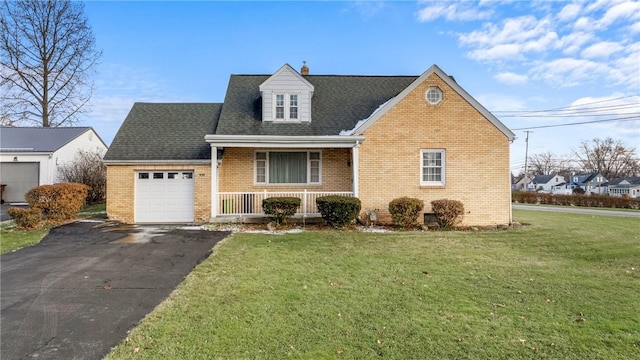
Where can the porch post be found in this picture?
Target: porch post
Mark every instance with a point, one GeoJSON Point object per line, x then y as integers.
{"type": "Point", "coordinates": [214, 181]}
{"type": "Point", "coordinates": [355, 154]}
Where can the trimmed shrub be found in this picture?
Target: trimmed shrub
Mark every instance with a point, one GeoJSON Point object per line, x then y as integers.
{"type": "Point", "coordinates": [575, 200]}
{"type": "Point", "coordinates": [25, 218]}
{"type": "Point", "coordinates": [280, 208]}
{"type": "Point", "coordinates": [338, 211]}
{"type": "Point", "coordinates": [405, 211]}
{"type": "Point", "coordinates": [60, 201]}
{"type": "Point", "coordinates": [448, 212]}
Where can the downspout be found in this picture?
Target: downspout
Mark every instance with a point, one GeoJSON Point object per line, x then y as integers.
{"type": "Point", "coordinates": [355, 152]}
{"type": "Point", "coordinates": [50, 172]}
{"type": "Point", "coordinates": [214, 182]}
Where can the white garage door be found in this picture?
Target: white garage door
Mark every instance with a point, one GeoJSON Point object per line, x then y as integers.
{"type": "Point", "coordinates": [19, 178]}
{"type": "Point", "coordinates": [164, 197]}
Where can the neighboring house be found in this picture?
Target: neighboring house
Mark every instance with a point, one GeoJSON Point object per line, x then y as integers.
{"type": "Point", "coordinates": [591, 183]}
{"type": "Point", "coordinates": [30, 156]}
{"type": "Point", "coordinates": [624, 186]}
{"type": "Point", "coordinates": [517, 182]}
{"type": "Point", "coordinates": [546, 183]}
{"type": "Point", "coordinates": [293, 134]}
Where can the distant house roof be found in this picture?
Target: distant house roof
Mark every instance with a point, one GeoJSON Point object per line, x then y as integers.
{"type": "Point", "coordinates": [582, 179]}
{"type": "Point", "coordinates": [625, 181]}
{"type": "Point", "coordinates": [165, 131]}
{"type": "Point", "coordinates": [38, 139]}
{"type": "Point", "coordinates": [542, 179]}
{"type": "Point", "coordinates": [338, 103]}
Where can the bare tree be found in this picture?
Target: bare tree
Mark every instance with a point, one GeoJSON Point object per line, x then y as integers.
{"type": "Point", "coordinates": [47, 54]}
{"type": "Point", "coordinates": [87, 168]}
{"type": "Point", "coordinates": [543, 164]}
{"type": "Point", "coordinates": [609, 157]}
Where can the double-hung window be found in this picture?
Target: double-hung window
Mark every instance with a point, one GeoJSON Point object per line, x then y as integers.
{"type": "Point", "coordinates": [286, 107]}
{"type": "Point", "coordinates": [288, 167]}
{"type": "Point", "coordinates": [432, 167]}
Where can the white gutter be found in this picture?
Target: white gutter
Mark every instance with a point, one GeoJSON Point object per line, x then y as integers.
{"type": "Point", "coordinates": [274, 141]}
{"type": "Point", "coordinates": [159, 162]}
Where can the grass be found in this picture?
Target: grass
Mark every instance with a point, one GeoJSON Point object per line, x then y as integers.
{"type": "Point", "coordinates": [12, 239]}
{"type": "Point", "coordinates": [565, 286]}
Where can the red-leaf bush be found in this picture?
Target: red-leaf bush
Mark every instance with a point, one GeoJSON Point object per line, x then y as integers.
{"type": "Point", "coordinates": [60, 201]}
{"type": "Point", "coordinates": [448, 212]}
{"type": "Point", "coordinates": [30, 218]}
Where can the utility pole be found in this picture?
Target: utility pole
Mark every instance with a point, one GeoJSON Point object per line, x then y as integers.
{"type": "Point", "coordinates": [526, 161]}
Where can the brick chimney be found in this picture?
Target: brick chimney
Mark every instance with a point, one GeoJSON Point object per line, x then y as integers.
{"type": "Point", "coordinates": [305, 69]}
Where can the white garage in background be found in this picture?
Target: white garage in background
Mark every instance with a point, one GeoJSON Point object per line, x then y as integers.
{"type": "Point", "coordinates": [30, 156]}
{"type": "Point", "coordinates": [164, 196]}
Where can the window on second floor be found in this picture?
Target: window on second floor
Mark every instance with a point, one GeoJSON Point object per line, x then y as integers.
{"type": "Point", "coordinates": [286, 107]}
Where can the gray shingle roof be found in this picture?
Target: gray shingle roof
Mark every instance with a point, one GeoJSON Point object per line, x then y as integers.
{"type": "Point", "coordinates": [338, 103]}
{"type": "Point", "coordinates": [37, 139]}
{"type": "Point", "coordinates": [165, 131]}
{"type": "Point", "coordinates": [543, 179]}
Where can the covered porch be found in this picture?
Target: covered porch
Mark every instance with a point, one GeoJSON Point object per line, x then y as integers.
{"type": "Point", "coordinates": [246, 169]}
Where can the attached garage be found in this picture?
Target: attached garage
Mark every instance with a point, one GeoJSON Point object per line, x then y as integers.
{"type": "Point", "coordinates": [20, 177]}
{"type": "Point", "coordinates": [164, 196]}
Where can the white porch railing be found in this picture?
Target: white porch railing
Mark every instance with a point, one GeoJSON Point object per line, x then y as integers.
{"type": "Point", "coordinates": [250, 203]}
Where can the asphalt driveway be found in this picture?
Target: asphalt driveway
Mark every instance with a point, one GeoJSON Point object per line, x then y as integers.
{"type": "Point", "coordinates": [77, 293]}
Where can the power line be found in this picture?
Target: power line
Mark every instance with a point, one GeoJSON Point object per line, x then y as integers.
{"type": "Point", "coordinates": [569, 112]}
{"type": "Point", "coordinates": [565, 108]}
{"type": "Point", "coordinates": [573, 115]}
{"type": "Point", "coordinates": [630, 118]}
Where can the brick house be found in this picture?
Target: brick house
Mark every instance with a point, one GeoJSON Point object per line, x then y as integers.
{"type": "Point", "coordinates": [295, 134]}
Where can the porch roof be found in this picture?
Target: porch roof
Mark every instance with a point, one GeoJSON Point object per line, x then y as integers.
{"type": "Point", "coordinates": [274, 141]}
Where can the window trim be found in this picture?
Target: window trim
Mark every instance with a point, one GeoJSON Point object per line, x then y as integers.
{"type": "Point", "coordinates": [434, 88]}
{"type": "Point", "coordinates": [266, 168]}
{"type": "Point", "coordinates": [287, 106]}
{"type": "Point", "coordinates": [443, 167]}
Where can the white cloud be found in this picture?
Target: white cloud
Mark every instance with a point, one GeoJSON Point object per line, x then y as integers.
{"type": "Point", "coordinates": [603, 49]}
{"type": "Point", "coordinates": [511, 39]}
{"type": "Point", "coordinates": [366, 9]}
{"type": "Point", "coordinates": [452, 11]}
{"type": "Point", "coordinates": [568, 72]}
{"type": "Point", "coordinates": [511, 78]}
{"type": "Point", "coordinates": [569, 12]}
{"type": "Point", "coordinates": [573, 42]}
{"type": "Point", "coordinates": [564, 44]}
{"type": "Point", "coordinates": [620, 11]}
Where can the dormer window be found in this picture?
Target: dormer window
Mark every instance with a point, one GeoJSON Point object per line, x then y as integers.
{"type": "Point", "coordinates": [286, 107]}
{"type": "Point", "coordinates": [280, 106]}
{"type": "Point", "coordinates": [293, 107]}
{"type": "Point", "coordinates": [286, 97]}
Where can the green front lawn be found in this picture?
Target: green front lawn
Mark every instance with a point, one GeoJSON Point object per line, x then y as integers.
{"type": "Point", "coordinates": [13, 239]}
{"type": "Point", "coordinates": [563, 287]}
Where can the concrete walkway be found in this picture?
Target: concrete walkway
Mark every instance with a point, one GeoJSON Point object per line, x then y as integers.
{"type": "Point", "coordinates": [77, 293]}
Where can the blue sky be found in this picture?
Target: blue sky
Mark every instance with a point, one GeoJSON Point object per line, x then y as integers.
{"type": "Point", "coordinates": [579, 59]}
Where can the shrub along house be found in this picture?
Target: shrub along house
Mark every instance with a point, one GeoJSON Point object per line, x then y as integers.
{"type": "Point", "coordinates": [295, 134]}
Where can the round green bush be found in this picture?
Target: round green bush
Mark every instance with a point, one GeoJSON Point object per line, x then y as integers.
{"type": "Point", "coordinates": [338, 211]}
{"type": "Point", "coordinates": [405, 211]}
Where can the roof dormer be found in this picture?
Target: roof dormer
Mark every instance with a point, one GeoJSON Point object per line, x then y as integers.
{"type": "Point", "coordinates": [286, 97]}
